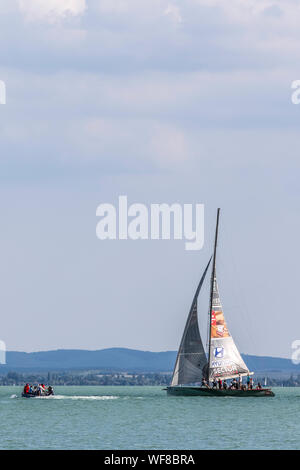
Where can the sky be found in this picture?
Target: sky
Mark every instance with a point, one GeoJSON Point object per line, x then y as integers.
{"type": "Point", "coordinates": [164, 101]}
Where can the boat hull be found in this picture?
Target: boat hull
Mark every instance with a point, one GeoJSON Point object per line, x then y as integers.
{"type": "Point", "coordinates": [32, 395]}
{"type": "Point", "coordinates": [213, 392]}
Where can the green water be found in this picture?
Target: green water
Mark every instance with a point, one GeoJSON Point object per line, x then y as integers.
{"type": "Point", "coordinates": [146, 418]}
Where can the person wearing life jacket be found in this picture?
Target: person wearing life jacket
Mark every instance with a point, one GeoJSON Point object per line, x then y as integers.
{"type": "Point", "coordinates": [26, 388]}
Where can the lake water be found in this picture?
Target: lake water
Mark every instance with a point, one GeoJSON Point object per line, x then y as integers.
{"type": "Point", "coordinates": [146, 418]}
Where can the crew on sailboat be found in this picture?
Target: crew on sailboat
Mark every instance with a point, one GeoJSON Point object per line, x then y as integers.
{"type": "Point", "coordinates": [236, 384]}
{"type": "Point", "coordinates": [248, 382]}
{"type": "Point", "coordinates": [240, 381]}
{"type": "Point", "coordinates": [204, 382]}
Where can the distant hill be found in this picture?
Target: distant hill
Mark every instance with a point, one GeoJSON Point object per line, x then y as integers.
{"type": "Point", "coordinates": [120, 359]}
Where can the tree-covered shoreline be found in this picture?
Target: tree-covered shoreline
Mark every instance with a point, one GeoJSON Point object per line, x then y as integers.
{"type": "Point", "coordinates": [120, 379]}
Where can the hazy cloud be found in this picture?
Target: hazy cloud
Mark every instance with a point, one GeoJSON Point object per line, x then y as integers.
{"type": "Point", "coordinates": [51, 10]}
{"type": "Point", "coordinates": [173, 12]}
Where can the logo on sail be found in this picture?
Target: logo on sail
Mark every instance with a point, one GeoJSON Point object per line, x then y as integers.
{"type": "Point", "coordinates": [219, 353]}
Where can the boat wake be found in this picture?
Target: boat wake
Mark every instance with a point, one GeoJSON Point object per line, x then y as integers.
{"type": "Point", "coordinates": [80, 397]}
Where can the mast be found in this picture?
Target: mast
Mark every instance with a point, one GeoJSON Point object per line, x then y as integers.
{"type": "Point", "coordinates": [213, 274]}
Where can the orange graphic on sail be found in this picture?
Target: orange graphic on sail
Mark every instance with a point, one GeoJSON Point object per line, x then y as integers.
{"type": "Point", "coordinates": [218, 325]}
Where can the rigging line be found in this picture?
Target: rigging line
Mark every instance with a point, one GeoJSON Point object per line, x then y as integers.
{"type": "Point", "coordinates": [238, 293]}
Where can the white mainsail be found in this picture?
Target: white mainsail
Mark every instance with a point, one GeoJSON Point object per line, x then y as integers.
{"type": "Point", "coordinates": [225, 360]}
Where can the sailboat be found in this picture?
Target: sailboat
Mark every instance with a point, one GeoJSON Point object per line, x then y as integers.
{"type": "Point", "coordinates": [222, 361]}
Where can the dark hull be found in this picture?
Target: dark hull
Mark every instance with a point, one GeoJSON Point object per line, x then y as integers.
{"type": "Point", "coordinates": [32, 395]}
{"type": "Point", "coordinates": [212, 392]}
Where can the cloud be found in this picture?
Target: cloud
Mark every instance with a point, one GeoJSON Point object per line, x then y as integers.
{"type": "Point", "coordinates": [255, 11]}
{"type": "Point", "coordinates": [173, 12]}
{"type": "Point", "coordinates": [129, 36]}
{"type": "Point", "coordinates": [51, 10]}
{"type": "Point", "coordinates": [127, 88]}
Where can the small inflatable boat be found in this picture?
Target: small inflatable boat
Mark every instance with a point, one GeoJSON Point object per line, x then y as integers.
{"type": "Point", "coordinates": [37, 391]}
